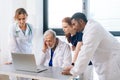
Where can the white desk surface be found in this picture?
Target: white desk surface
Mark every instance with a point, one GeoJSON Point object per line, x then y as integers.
{"type": "Point", "coordinates": [53, 73]}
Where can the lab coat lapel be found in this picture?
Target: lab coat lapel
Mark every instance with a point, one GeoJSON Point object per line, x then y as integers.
{"type": "Point", "coordinates": [58, 46]}
{"type": "Point", "coordinates": [18, 30]}
{"type": "Point", "coordinates": [27, 30]}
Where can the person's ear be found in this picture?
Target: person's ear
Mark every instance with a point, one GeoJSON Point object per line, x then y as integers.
{"type": "Point", "coordinates": [81, 21]}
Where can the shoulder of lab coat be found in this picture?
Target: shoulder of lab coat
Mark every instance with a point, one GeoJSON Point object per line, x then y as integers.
{"type": "Point", "coordinates": [67, 60]}
{"type": "Point", "coordinates": [13, 43]}
{"type": "Point", "coordinates": [91, 39]}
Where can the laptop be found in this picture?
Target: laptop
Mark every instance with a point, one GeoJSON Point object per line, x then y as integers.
{"type": "Point", "coordinates": [26, 62]}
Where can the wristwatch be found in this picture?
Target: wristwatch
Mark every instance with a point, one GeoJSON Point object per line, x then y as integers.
{"type": "Point", "coordinates": [73, 64]}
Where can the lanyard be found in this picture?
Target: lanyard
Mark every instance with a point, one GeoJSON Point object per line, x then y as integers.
{"type": "Point", "coordinates": [30, 30]}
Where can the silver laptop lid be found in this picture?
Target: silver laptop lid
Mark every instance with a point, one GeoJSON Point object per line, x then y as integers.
{"type": "Point", "coordinates": [25, 62]}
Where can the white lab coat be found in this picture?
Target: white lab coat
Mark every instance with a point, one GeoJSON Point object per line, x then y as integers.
{"type": "Point", "coordinates": [61, 57]}
{"type": "Point", "coordinates": [102, 49]}
{"type": "Point", "coordinates": [21, 43]}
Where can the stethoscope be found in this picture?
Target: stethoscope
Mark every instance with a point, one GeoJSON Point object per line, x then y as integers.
{"type": "Point", "coordinates": [30, 30]}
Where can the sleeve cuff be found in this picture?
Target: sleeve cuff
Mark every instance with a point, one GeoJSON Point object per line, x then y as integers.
{"type": "Point", "coordinates": [73, 71]}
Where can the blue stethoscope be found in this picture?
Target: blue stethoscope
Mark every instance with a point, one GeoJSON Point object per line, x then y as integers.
{"type": "Point", "coordinates": [30, 30]}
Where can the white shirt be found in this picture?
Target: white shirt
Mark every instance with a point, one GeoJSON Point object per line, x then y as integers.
{"type": "Point", "coordinates": [20, 42]}
{"type": "Point", "coordinates": [102, 49]}
{"type": "Point", "coordinates": [61, 57]}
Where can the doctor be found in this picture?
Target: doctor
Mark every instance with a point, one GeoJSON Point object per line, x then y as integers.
{"type": "Point", "coordinates": [75, 38]}
{"type": "Point", "coordinates": [99, 46]}
{"type": "Point", "coordinates": [55, 52]}
{"type": "Point", "coordinates": [21, 34]}
{"type": "Point", "coordinates": [72, 37]}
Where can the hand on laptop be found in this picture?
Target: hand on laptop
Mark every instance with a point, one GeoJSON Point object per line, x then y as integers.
{"type": "Point", "coordinates": [66, 70]}
{"type": "Point", "coordinates": [7, 63]}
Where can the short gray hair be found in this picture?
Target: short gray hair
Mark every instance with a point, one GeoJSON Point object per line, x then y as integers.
{"type": "Point", "coordinates": [50, 32]}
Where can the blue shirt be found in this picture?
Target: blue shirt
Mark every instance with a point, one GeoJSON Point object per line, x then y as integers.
{"type": "Point", "coordinates": [76, 38]}
{"type": "Point", "coordinates": [50, 62]}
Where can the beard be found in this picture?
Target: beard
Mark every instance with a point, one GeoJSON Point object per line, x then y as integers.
{"type": "Point", "coordinates": [51, 46]}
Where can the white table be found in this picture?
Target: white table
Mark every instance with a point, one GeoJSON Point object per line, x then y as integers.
{"type": "Point", "coordinates": [52, 73]}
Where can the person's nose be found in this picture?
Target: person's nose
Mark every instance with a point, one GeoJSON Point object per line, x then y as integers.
{"type": "Point", "coordinates": [21, 21]}
{"type": "Point", "coordinates": [48, 43]}
{"type": "Point", "coordinates": [74, 27]}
